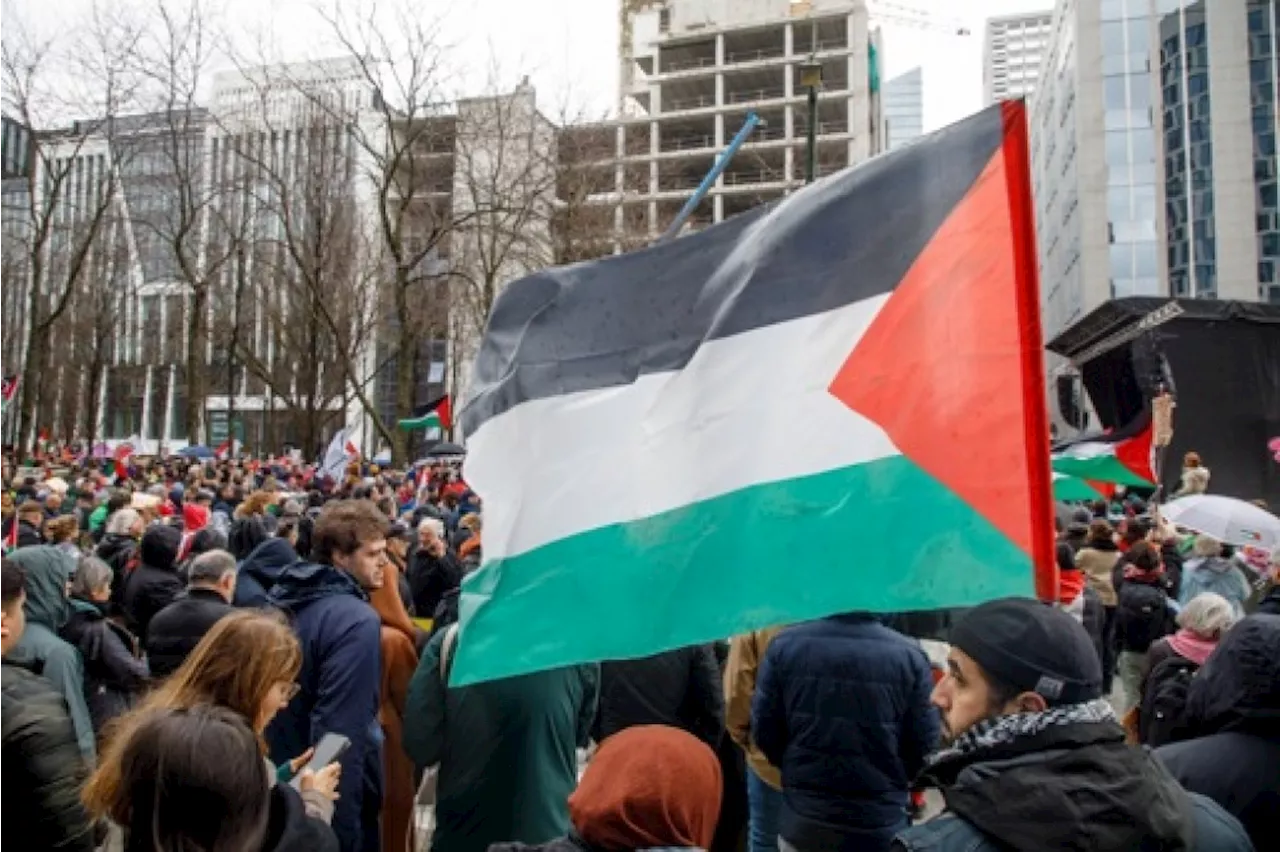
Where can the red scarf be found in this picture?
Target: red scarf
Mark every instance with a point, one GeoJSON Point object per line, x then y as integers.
{"type": "Point", "coordinates": [1070, 585]}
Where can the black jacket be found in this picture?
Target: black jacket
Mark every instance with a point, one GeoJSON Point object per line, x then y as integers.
{"type": "Point", "coordinates": [42, 767]}
{"type": "Point", "coordinates": [680, 688]}
{"type": "Point", "coordinates": [29, 535]}
{"type": "Point", "coordinates": [430, 579]}
{"type": "Point", "coordinates": [1270, 604]}
{"type": "Point", "coordinates": [154, 583]}
{"type": "Point", "coordinates": [113, 674]}
{"type": "Point", "coordinates": [289, 829]}
{"type": "Point", "coordinates": [1069, 786]}
{"type": "Point", "coordinates": [117, 551]}
{"type": "Point", "coordinates": [1233, 710]}
{"type": "Point", "coordinates": [179, 627]}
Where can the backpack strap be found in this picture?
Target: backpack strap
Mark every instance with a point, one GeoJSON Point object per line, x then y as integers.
{"type": "Point", "coordinates": [446, 652]}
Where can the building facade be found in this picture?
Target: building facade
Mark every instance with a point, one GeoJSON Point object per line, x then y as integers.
{"type": "Point", "coordinates": [691, 72]}
{"type": "Point", "coordinates": [1153, 154]}
{"type": "Point", "coordinates": [904, 107]}
{"type": "Point", "coordinates": [275, 187]}
{"type": "Point", "coordinates": [1012, 48]}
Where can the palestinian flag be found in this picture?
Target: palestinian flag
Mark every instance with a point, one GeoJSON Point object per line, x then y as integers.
{"type": "Point", "coordinates": [436, 414]}
{"type": "Point", "coordinates": [1123, 457]}
{"type": "Point", "coordinates": [1070, 488]}
{"type": "Point", "coordinates": [8, 390]}
{"type": "Point", "coordinates": [641, 495]}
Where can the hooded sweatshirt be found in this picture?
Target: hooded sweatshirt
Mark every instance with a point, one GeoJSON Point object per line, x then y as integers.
{"type": "Point", "coordinates": [1215, 574]}
{"type": "Point", "coordinates": [40, 649]}
{"type": "Point", "coordinates": [261, 570]}
{"type": "Point", "coordinates": [154, 583]}
{"type": "Point", "coordinates": [339, 687]}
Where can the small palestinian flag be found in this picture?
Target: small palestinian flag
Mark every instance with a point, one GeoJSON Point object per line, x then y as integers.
{"type": "Point", "coordinates": [436, 414]}
{"type": "Point", "coordinates": [8, 391]}
{"type": "Point", "coordinates": [828, 404]}
{"type": "Point", "coordinates": [1122, 457]}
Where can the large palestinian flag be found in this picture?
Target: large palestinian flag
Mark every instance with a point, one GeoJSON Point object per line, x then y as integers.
{"type": "Point", "coordinates": [833, 403]}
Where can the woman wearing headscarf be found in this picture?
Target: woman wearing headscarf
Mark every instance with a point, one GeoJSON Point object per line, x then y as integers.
{"type": "Point", "coordinates": [648, 787]}
{"type": "Point", "coordinates": [399, 661]}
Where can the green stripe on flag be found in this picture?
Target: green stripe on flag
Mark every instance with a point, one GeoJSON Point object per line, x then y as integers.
{"type": "Point", "coordinates": [430, 420]}
{"type": "Point", "coordinates": [1071, 488]}
{"type": "Point", "coordinates": [882, 536]}
{"type": "Point", "coordinates": [1103, 468]}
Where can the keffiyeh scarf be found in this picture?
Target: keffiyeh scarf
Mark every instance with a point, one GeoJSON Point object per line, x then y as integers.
{"type": "Point", "coordinates": [1002, 730]}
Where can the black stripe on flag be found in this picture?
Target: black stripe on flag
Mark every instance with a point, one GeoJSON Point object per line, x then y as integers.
{"type": "Point", "coordinates": [847, 238]}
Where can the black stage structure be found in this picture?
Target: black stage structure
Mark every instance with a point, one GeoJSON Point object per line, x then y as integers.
{"type": "Point", "coordinates": [1221, 359]}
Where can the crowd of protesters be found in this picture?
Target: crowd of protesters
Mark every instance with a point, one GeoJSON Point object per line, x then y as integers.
{"type": "Point", "coordinates": [179, 637]}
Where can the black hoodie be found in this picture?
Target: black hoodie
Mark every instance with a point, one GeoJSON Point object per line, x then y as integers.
{"type": "Point", "coordinates": [1233, 706]}
{"type": "Point", "coordinates": [154, 583]}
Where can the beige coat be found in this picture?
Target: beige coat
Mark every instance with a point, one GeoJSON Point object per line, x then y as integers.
{"type": "Point", "coordinates": [746, 653]}
{"type": "Point", "coordinates": [1097, 565]}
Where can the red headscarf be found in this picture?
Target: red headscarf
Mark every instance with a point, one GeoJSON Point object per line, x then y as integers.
{"type": "Point", "coordinates": [646, 787]}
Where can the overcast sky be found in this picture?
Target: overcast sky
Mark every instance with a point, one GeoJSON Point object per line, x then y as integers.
{"type": "Point", "coordinates": [569, 47]}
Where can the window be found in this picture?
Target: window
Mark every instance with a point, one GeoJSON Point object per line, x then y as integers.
{"type": "Point", "coordinates": [1112, 38]}
{"type": "Point", "coordinates": [1113, 89]}
{"type": "Point", "coordinates": [1117, 147]}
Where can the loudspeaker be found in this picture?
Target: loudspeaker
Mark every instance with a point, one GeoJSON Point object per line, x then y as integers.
{"type": "Point", "coordinates": [1071, 402]}
{"type": "Point", "coordinates": [1151, 367]}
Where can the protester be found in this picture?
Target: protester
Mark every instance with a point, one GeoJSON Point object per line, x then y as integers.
{"type": "Point", "coordinates": [1208, 571]}
{"type": "Point", "coordinates": [1076, 532]}
{"type": "Point", "coordinates": [167, 791]}
{"type": "Point", "coordinates": [153, 583]}
{"type": "Point", "coordinates": [340, 633]}
{"type": "Point", "coordinates": [177, 629]}
{"type": "Point", "coordinates": [1078, 599]}
{"type": "Point", "coordinates": [40, 760]}
{"type": "Point", "coordinates": [1195, 476]}
{"type": "Point", "coordinates": [1097, 559]}
{"type": "Point", "coordinates": [202, 542]}
{"type": "Point", "coordinates": [681, 688]}
{"type": "Point", "coordinates": [764, 780]}
{"type": "Point", "coordinates": [842, 708]}
{"type": "Point", "coordinates": [1144, 614]}
{"type": "Point", "coordinates": [41, 649]}
{"type": "Point", "coordinates": [245, 534]}
{"type": "Point", "coordinates": [1173, 661]}
{"type": "Point", "coordinates": [1031, 742]}
{"type": "Point", "coordinates": [119, 547]}
{"type": "Point", "coordinates": [114, 673]}
{"type": "Point", "coordinates": [1233, 715]}
{"type": "Point", "coordinates": [648, 787]}
{"type": "Point", "coordinates": [63, 533]}
{"type": "Point", "coordinates": [399, 661]}
{"type": "Point", "coordinates": [261, 570]}
{"type": "Point", "coordinates": [433, 570]}
{"type": "Point", "coordinates": [506, 749]}
{"type": "Point", "coordinates": [30, 520]}
{"type": "Point", "coordinates": [246, 663]}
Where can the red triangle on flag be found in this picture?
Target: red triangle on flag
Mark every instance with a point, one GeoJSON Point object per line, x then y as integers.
{"type": "Point", "coordinates": [951, 368]}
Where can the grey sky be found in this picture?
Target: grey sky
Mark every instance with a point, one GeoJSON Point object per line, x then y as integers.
{"type": "Point", "coordinates": [569, 47]}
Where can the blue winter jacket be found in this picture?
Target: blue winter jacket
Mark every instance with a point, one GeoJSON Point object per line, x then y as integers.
{"type": "Point", "coordinates": [261, 570]}
{"type": "Point", "coordinates": [842, 707]}
{"type": "Point", "coordinates": [339, 685]}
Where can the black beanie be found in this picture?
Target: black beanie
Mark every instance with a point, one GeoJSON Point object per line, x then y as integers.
{"type": "Point", "coordinates": [159, 546]}
{"type": "Point", "coordinates": [1032, 647]}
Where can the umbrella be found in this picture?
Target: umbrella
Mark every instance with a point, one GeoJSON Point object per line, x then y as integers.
{"type": "Point", "coordinates": [1226, 519]}
{"type": "Point", "coordinates": [446, 448]}
{"type": "Point", "coordinates": [196, 451]}
{"type": "Point", "coordinates": [1073, 488]}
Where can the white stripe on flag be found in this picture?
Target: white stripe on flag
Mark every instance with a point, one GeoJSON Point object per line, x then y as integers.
{"type": "Point", "coordinates": [746, 410]}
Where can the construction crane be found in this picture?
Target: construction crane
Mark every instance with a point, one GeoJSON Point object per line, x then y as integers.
{"type": "Point", "coordinates": [897, 14]}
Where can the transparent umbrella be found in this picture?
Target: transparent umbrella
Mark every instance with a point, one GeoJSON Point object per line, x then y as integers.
{"type": "Point", "coordinates": [1226, 519]}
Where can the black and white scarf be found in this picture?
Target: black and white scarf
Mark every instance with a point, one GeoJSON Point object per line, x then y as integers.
{"type": "Point", "coordinates": [1002, 730]}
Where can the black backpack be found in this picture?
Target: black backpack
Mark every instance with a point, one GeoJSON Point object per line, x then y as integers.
{"type": "Point", "coordinates": [1142, 616]}
{"type": "Point", "coordinates": [1163, 717]}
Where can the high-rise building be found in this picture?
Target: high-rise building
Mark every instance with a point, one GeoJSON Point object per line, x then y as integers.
{"type": "Point", "coordinates": [1153, 154]}
{"type": "Point", "coordinates": [691, 71]}
{"type": "Point", "coordinates": [904, 107]}
{"type": "Point", "coordinates": [1011, 51]}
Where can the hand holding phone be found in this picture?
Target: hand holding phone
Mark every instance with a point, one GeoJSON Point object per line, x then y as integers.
{"type": "Point", "coordinates": [323, 763]}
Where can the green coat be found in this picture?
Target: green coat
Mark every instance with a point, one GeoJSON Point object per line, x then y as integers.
{"type": "Point", "coordinates": [507, 750]}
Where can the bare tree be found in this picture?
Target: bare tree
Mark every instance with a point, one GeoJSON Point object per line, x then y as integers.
{"type": "Point", "coordinates": [173, 58]}
{"type": "Point", "coordinates": [75, 171]}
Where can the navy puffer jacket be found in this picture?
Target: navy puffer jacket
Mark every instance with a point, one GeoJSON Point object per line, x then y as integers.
{"type": "Point", "coordinates": [842, 707]}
